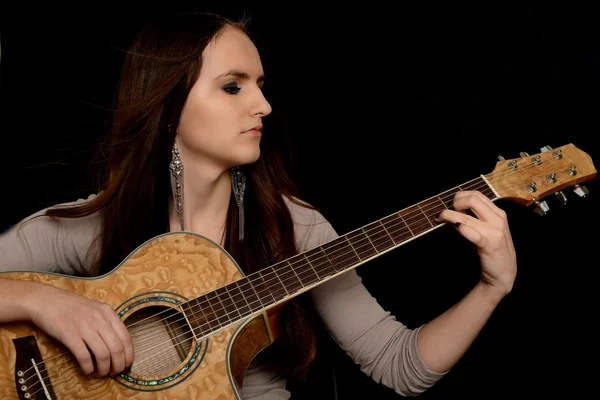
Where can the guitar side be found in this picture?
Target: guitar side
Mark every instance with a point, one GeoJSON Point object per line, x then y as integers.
{"type": "Point", "coordinates": [145, 289]}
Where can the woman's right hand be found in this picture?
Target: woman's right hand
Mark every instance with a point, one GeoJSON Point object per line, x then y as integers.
{"type": "Point", "coordinates": [91, 330]}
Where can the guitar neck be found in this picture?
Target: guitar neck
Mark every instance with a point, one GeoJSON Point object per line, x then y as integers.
{"type": "Point", "coordinates": [280, 282]}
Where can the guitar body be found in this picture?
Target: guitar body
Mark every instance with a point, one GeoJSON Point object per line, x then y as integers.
{"type": "Point", "coordinates": [145, 289]}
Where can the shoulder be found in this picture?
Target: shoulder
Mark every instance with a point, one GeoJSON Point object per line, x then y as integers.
{"type": "Point", "coordinates": [87, 221]}
{"type": "Point", "coordinates": [311, 228]}
{"type": "Point", "coordinates": [46, 243]}
{"type": "Point", "coordinates": [40, 217]}
{"type": "Point", "coordinates": [78, 231]}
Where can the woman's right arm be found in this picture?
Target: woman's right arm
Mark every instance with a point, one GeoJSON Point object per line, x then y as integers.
{"type": "Point", "coordinates": [39, 243]}
{"type": "Point", "coordinates": [76, 321]}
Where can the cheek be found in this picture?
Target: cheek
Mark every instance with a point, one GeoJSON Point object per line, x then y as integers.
{"type": "Point", "coordinates": [206, 126]}
{"type": "Point", "coordinates": [209, 113]}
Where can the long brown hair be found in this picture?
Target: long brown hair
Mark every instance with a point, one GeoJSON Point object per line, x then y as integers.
{"type": "Point", "coordinates": [159, 70]}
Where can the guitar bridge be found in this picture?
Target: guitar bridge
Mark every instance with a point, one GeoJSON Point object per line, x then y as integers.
{"type": "Point", "coordinates": [31, 377]}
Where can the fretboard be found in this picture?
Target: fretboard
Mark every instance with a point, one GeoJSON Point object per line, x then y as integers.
{"type": "Point", "coordinates": [284, 280]}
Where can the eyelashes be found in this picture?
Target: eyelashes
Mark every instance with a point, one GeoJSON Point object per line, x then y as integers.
{"type": "Point", "coordinates": [231, 88]}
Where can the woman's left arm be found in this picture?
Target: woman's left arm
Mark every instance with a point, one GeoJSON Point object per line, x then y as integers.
{"type": "Point", "coordinates": [445, 339]}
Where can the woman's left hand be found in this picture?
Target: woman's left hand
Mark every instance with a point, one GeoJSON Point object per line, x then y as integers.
{"type": "Point", "coordinates": [488, 230]}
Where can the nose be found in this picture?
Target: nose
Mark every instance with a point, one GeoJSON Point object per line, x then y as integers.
{"type": "Point", "coordinates": [260, 105]}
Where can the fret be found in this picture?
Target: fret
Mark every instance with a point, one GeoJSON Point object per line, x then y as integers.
{"type": "Point", "coordinates": [370, 228]}
{"type": "Point", "coordinates": [352, 247]}
{"type": "Point", "coordinates": [205, 317]}
{"type": "Point", "coordinates": [249, 294]}
{"type": "Point", "coordinates": [239, 300]}
{"type": "Point", "coordinates": [326, 257]}
{"type": "Point", "coordinates": [448, 197]}
{"type": "Point", "coordinates": [272, 283]}
{"type": "Point", "coordinates": [415, 219]}
{"type": "Point", "coordinates": [191, 316]}
{"type": "Point", "coordinates": [427, 217]}
{"type": "Point", "coordinates": [361, 244]}
{"type": "Point", "coordinates": [444, 204]}
{"type": "Point", "coordinates": [311, 266]}
{"type": "Point", "coordinates": [289, 278]}
{"type": "Point", "coordinates": [320, 262]}
{"type": "Point", "coordinates": [221, 294]}
{"type": "Point", "coordinates": [304, 270]}
{"type": "Point", "coordinates": [228, 305]}
{"type": "Point", "coordinates": [280, 281]}
{"type": "Point", "coordinates": [261, 288]}
{"type": "Point", "coordinates": [431, 207]}
{"type": "Point", "coordinates": [384, 242]}
{"type": "Point", "coordinates": [217, 308]}
{"type": "Point", "coordinates": [397, 228]}
{"type": "Point", "coordinates": [341, 253]}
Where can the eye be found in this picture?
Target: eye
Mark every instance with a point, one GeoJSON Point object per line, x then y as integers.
{"type": "Point", "coordinates": [231, 88]}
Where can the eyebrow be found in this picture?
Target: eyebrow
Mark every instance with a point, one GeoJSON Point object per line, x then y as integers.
{"type": "Point", "coordinates": [239, 74]}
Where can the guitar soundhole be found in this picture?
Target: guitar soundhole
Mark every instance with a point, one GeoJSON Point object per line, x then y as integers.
{"type": "Point", "coordinates": [162, 340]}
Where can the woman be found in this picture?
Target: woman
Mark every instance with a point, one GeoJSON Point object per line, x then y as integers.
{"type": "Point", "coordinates": [186, 153]}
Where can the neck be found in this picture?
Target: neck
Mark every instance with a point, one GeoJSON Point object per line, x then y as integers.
{"type": "Point", "coordinates": [206, 193]}
{"type": "Point", "coordinates": [280, 282]}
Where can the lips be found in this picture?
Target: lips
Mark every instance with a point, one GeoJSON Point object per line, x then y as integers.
{"type": "Point", "coordinates": [257, 128]}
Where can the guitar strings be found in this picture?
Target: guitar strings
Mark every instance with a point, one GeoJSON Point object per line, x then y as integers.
{"type": "Point", "coordinates": [498, 173]}
{"type": "Point", "coordinates": [420, 219]}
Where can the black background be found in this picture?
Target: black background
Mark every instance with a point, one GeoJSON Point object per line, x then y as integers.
{"type": "Point", "coordinates": [385, 108]}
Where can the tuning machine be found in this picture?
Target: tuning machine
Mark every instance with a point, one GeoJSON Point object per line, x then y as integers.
{"type": "Point", "coordinates": [562, 197]}
{"type": "Point", "coordinates": [581, 190]}
{"type": "Point", "coordinates": [541, 207]}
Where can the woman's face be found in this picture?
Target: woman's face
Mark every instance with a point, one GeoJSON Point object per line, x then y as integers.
{"type": "Point", "coordinates": [221, 120]}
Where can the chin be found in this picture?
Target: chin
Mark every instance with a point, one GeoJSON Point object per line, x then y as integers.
{"type": "Point", "coordinates": [252, 156]}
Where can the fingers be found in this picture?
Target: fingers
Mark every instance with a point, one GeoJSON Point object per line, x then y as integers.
{"type": "Point", "coordinates": [78, 348]}
{"type": "Point", "coordinates": [471, 234]}
{"type": "Point", "coordinates": [100, 351]}
{"type": "Point", "coordinates": [115, 348]}
{"type": "Point", "coordinates": [453, 217]}
{"type": "Point", "coordinates": [118, 341]}
{"type": "Point", "coordinates": [112, 349]}
{"type": "Point", "coordinates": [483, 205]}
{"type": "Point", "coordinates": [126, 340]}
{"type": "Point", "coordinates": [489, 224]}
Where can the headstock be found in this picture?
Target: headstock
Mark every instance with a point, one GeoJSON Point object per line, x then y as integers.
{"type": "Point", "coordinates": [530, 178]}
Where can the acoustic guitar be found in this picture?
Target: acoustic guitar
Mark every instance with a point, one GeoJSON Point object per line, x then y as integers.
{"type": "Point", "coordinates": [197, 321]}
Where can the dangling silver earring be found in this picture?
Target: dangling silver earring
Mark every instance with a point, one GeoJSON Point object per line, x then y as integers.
{"type": "Point", "coordinates": [238, 185]}
{"type": "Point", "coordinates": [176, 167]}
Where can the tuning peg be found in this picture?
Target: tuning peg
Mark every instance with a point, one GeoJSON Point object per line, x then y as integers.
{"type": "Point", "coordinates": [545, 148]}
{"type": "Point", "coordinates": [523, 154]}
{"type": "Point", "coordinates": [541, 207]}
{"type": "Point", "coordinates": [501, 158]}
{"type": "Point", "coordinates": [581, 190]}
{"type": "Point", "coordinates": [562, 197]}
